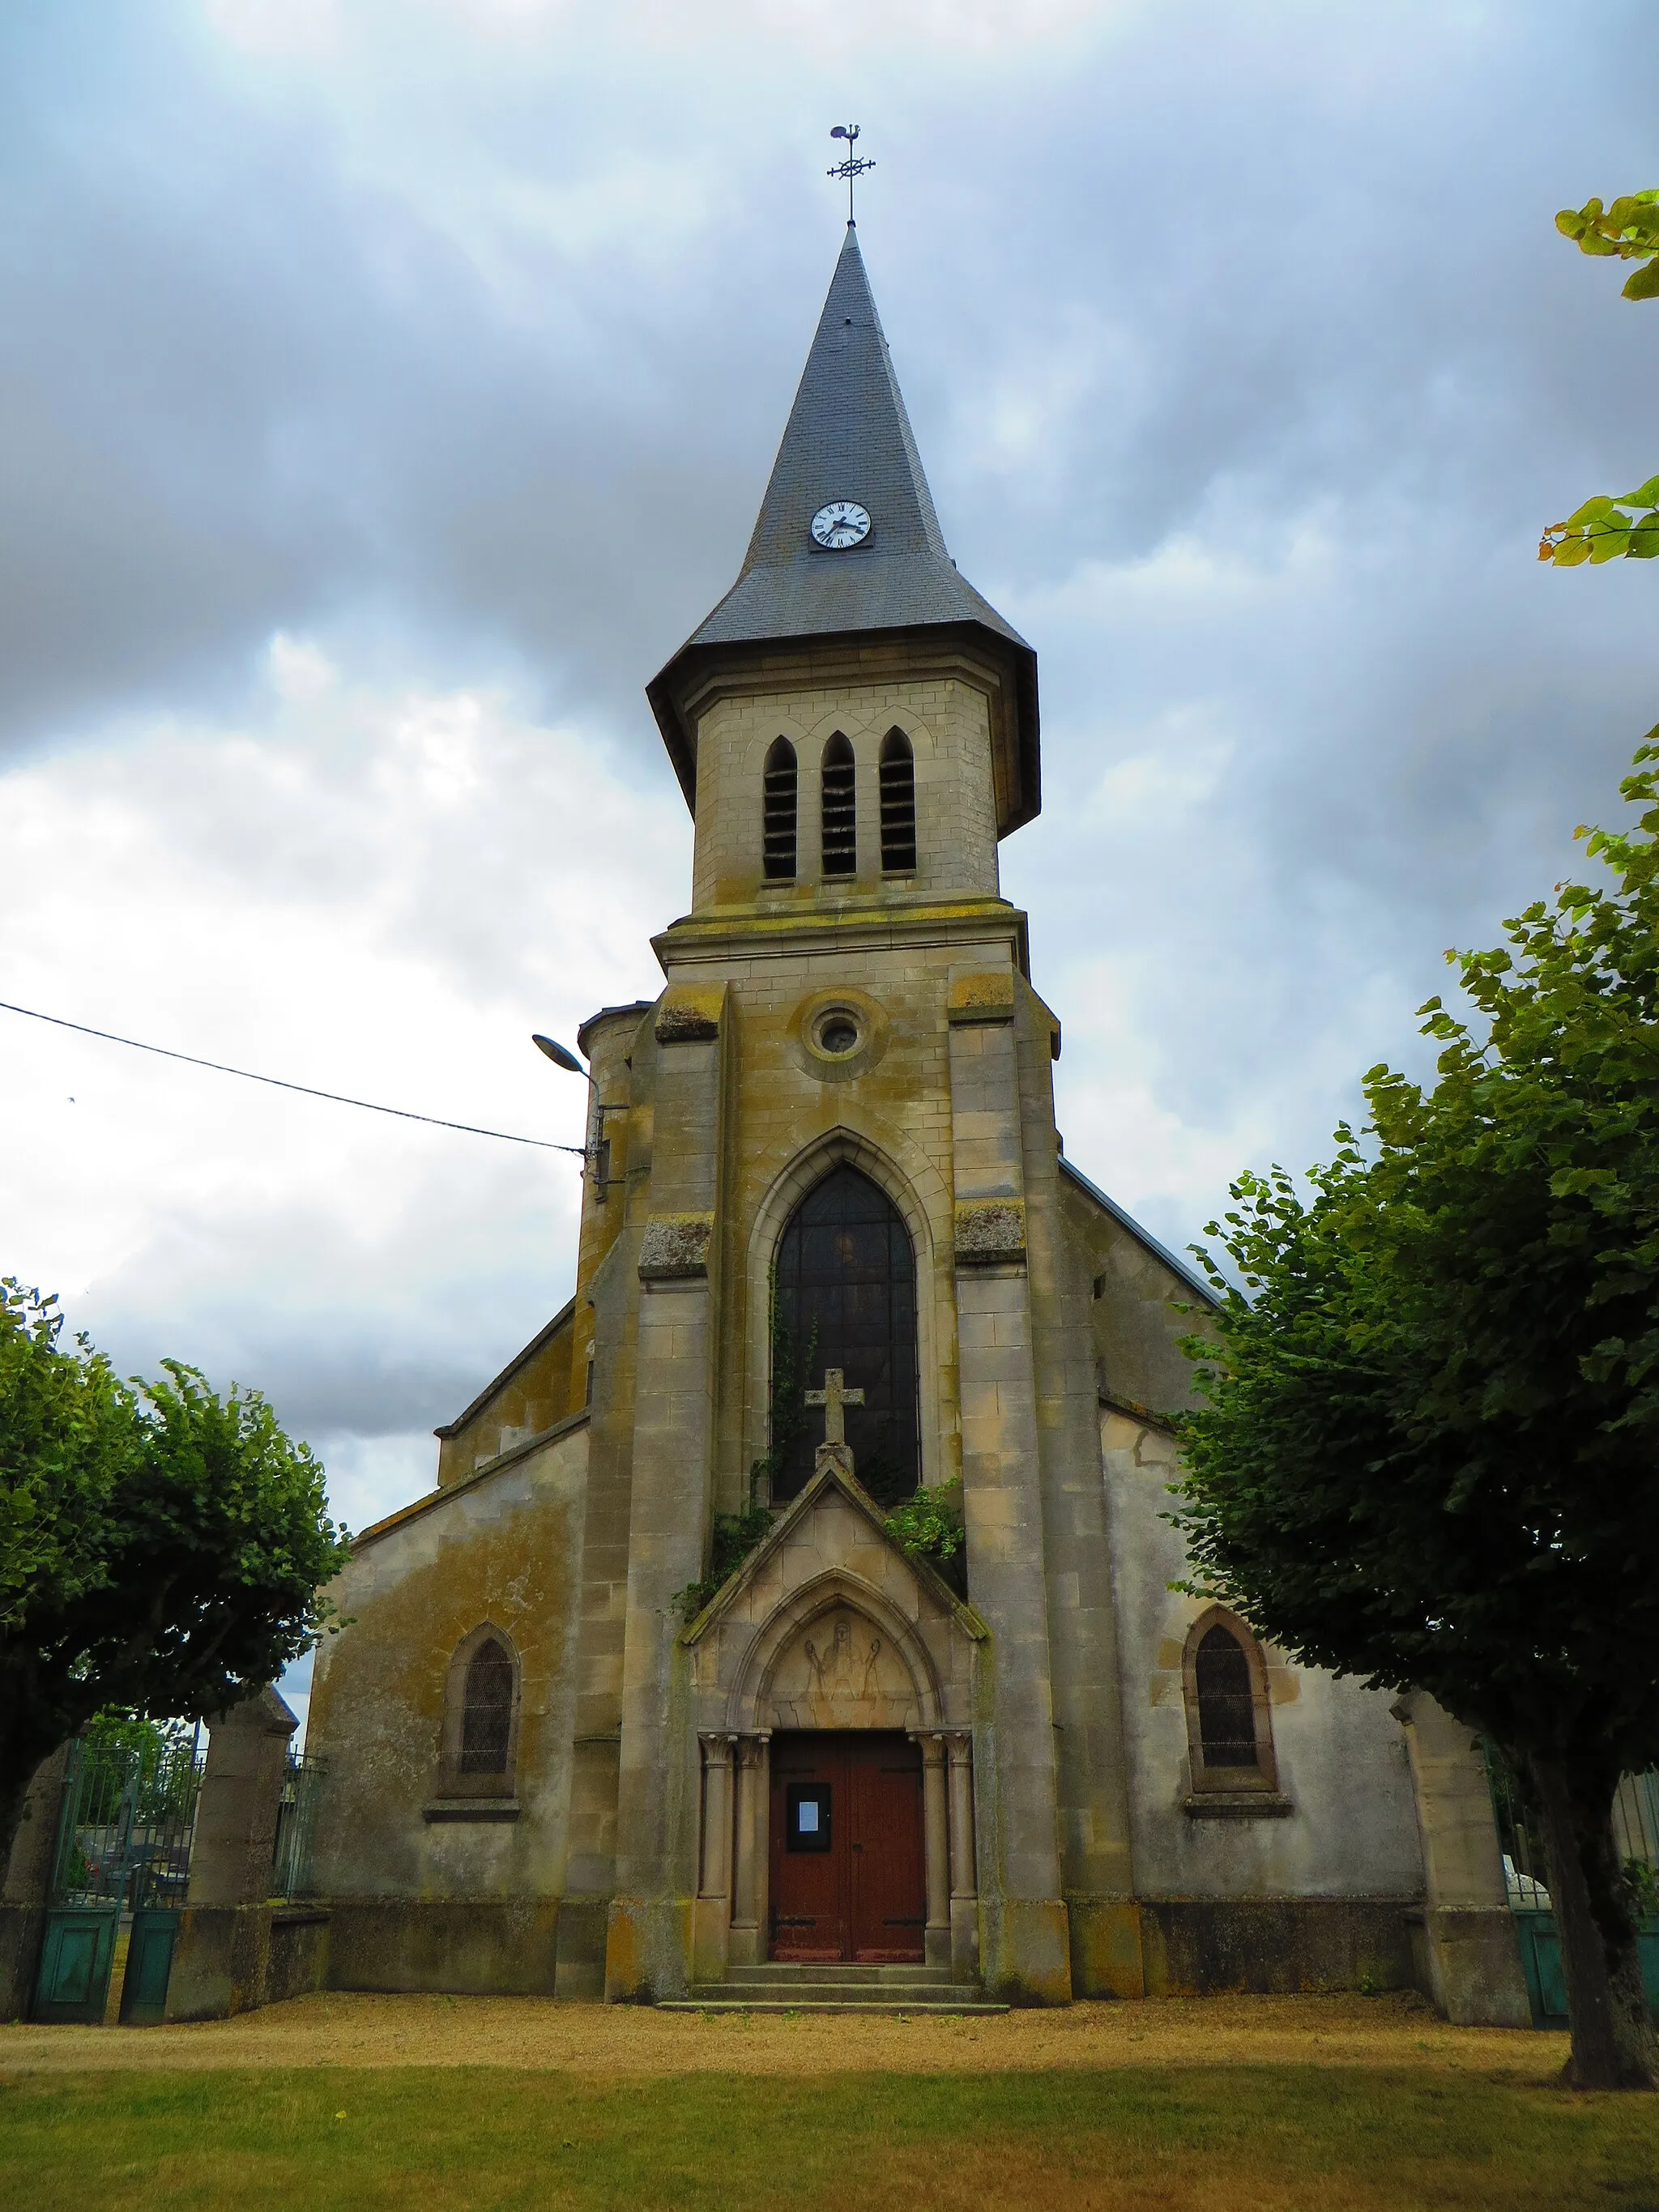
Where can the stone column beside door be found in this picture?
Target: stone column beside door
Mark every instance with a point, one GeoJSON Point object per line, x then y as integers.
{"type": "Point", "coordinates": [964, 1882]}
{"type": "Point", "coordinates": [751, 1828]}
{"type": "Point", "coordinates": [936, 1846]}
{"type": "Point", "coordinates": [711, 1933]}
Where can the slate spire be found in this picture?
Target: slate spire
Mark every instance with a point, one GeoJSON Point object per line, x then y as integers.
{"type": "Point", "coordinates": [848, 438]}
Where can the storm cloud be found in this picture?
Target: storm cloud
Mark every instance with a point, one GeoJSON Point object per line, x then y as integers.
{"type": "Point", "coordinates": [384, 391]}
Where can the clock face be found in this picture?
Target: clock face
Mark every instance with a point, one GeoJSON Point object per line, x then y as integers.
{"type": "Point", "coordinates": [841, 524]}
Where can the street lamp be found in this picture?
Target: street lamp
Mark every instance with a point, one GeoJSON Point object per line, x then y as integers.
{"type": "Point", "coordinates": [561, 1055]}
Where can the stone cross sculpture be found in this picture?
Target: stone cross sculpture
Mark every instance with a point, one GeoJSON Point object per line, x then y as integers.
{"type": "Point", "coordinates": [834, 1398]}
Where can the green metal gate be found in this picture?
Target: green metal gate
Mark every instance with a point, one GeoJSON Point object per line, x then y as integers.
{"type": "Point", "coordinates": [1636, 1836]}
{"type": "Point", "coordinates": [122, 1866]}
{"type": "Point", "coordinates": [296, 1826]}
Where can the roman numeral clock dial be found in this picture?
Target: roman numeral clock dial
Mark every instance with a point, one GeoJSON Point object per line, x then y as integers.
{"type": "Point", "coordinates": [841, 524]}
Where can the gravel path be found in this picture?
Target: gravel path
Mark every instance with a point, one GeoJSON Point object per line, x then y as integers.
{"type": "Point", "coordinates": [338, 2029]}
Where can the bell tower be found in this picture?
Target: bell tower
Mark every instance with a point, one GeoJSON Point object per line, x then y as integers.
{"type": "Point", "coordinates": [836, 1125]}
{"type": "Point", "coordinates": [853, 724]}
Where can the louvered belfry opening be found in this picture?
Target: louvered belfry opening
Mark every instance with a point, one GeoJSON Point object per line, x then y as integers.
{"type": "Point", "coordinates": [840, 843]}
{"type": "Point", "coordinates": [898, 803]}
{"type": "Point", "coordinates": [778, 821]}
{"type": "Point", "coordinates": [487, 1710]}
{"type": "Point", "coordinates": [1226, 1702]}
{"type": "Point", "coordinates": [846, 1289]}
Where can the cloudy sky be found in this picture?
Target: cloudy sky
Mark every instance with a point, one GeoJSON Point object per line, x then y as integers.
{"type": "Point", "coordinates": [386, 386]}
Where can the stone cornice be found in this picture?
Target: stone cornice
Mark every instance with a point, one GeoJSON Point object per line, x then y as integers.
{"type": "Point", "coordinates": [753, 933]}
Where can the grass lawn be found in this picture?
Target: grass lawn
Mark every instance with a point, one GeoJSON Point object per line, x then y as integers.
{"type": "Point", "coordinates": [1222, 2139]}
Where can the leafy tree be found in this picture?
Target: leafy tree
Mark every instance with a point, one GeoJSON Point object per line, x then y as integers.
{"type": "Point", "coordinates": [1626, 524]}
{"type": "Point", "coordinates": [1429, 1453]}
{"type": "Point", "coordinates": [161, 1550]}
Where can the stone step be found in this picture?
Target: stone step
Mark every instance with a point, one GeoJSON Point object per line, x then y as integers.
{"type": "Point", "coordinates": [787, 1973]}
{"type": "Point", "coordinates": [804, 1985]}
{"type": "Point", "coordinates": [833, 1993]}
{"type": "Point", "coordinates": [960, 2003]}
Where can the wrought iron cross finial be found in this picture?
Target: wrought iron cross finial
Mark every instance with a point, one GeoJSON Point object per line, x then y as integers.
{"type": "Point", "coordinates": [853, 166]}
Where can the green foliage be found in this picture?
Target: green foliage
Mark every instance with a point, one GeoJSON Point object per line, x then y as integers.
{"type": "Point", "coordinates": [792, 1377]}
{"type": "Point", "coordinates": [1628, 230]}
{"type": "Point", "coordinates": [1641, 1878]}
{"type": "Point", "coordinates": [162, 1549]}
{"type": "Point", "coordinates": [1625, 525]}
{"type": "Point", "coordinates": [928, 1525]}
{"type": "Point", "coordinates": [736, 1536]}
{"type": "Point", "coordinates": [1430, 1450]}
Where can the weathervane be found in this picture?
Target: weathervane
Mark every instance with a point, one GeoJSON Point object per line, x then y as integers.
{"type": "Point", "coordinates": [853, 166]}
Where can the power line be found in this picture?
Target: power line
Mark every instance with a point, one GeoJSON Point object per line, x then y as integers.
{"type": "Point", "coordinates": [277, 1083]}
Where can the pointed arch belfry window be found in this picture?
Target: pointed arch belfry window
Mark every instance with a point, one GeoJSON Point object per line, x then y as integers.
{"type": "Point", "coordinates": [898, 803]}
{"type": "Point", "coordinates": [841, 854]}
{"type": "Point", "coordinates": [846, 1289]}
{"type": "Point", "coordinates": [778, 817]}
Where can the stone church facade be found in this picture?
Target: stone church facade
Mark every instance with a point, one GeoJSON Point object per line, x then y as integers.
{"type": "Point", "coordinates": [823, 1162]}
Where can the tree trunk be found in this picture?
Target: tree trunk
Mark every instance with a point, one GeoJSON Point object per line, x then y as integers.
{"type": "Point", "coordinates": [22, 1750]}
{"type": "Point", "coordinates": [1613, 2045]}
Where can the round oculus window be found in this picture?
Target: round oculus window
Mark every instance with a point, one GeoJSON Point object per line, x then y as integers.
{"type": "Point", "coordinates": [838, 1033]}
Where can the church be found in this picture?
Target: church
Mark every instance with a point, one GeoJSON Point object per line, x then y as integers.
{"type": "Point", "coordinates": [658, 1695]}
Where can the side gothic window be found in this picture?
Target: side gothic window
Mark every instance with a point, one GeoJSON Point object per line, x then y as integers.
{"type": "Point", "coordinates": [487, 1714]}
{"type": "Point", "coordinates": [1229, 1718]}
{"type": "Point", "coordinates": [1226, 1704]}
{"type": "Point", "coordinates": [479, 1748]}
{"type": "Point", "coordinates": [840, 809]}
{"type": "Point", "coordinates": [898, 803]}
{"type": "Point", "coordinates": [778, 818]}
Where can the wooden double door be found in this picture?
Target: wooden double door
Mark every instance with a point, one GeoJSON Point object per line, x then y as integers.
{"type": "Point", "coordinates": [848, 1878]}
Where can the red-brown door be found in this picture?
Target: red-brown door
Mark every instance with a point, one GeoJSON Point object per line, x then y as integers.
{"type": "Point", "coordinates": [848, 1879]}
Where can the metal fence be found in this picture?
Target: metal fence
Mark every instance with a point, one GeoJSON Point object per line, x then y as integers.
{"type": "Point", "coordinates": [1636, 1819]}
{"type": "Point", "coordinates": [1520, 1836]}
{"type": "Point", "coordinates": [296, 1826]}
{"type": "Point", "coordinates": [129, 1814]}
{"type": "Point", "coordinates": [120, 1871]}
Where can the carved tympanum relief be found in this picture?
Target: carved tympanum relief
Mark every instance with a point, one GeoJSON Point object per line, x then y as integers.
{"type": "Point", "coordinates": [841, 1672]}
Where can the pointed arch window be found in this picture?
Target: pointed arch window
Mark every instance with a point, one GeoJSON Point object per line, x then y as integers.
{"type": "Point", "coordinates": [480, 1746]}
{"type": "Point", "coordinates": [898, 805]}
{"type": "Point", "coordinates": [487, 1713]}
{"type": "Point", "coordinates": [778, 822]}
{"type": "Point", "coordinates": [840, 809]}
{"type": "Point", "coordinates": [1229, 1736]}
{"type": "Point", "coordinates": [846, 1289]}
